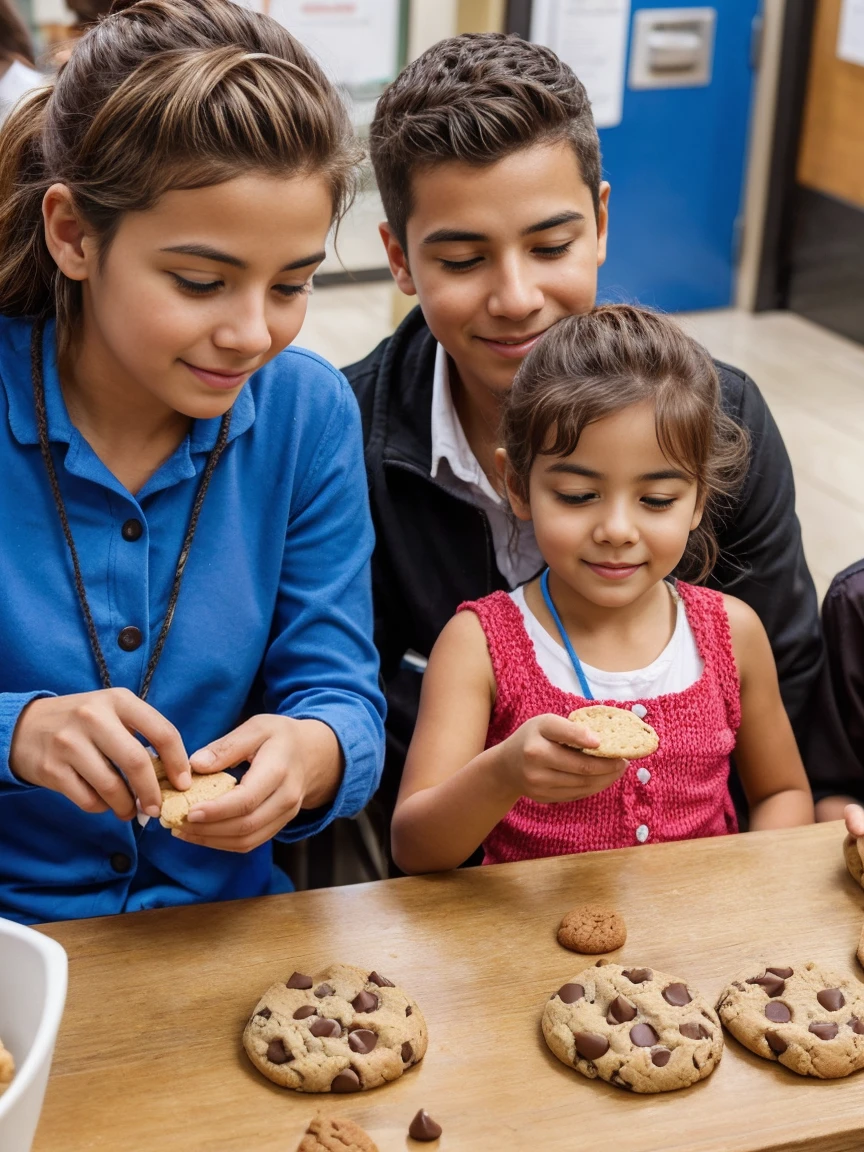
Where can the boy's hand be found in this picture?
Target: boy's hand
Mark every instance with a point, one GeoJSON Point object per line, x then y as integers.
{"type": "Point", "coordinates": [293, 764]}
{"type": "Point", "coordinates": [544, 761]}
{"type": "Point", "coordinates": [853, 814]}
{"type": "Point", "coordinates": [71, 745]}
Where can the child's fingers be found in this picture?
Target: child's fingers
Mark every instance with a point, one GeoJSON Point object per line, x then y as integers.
{"type": "Point", "coordinates": [854, 817]}
{"type": "Point", "coordinates": [562, 731]}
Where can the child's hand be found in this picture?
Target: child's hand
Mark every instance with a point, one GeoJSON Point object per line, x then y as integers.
{"type": "Point", "coordinates": [853, 814]}
{"type": "Point", "coordinates": [544, 761]}
{"type": "Point", "coordinates": [294, 764]}
{"type": "Point", "coordinates": [71, 745]}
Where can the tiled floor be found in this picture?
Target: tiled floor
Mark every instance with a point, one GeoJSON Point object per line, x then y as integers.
{"type": "Point", "coordinates": [812, 379]}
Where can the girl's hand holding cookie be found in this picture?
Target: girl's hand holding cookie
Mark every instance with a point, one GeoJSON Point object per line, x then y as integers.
{"type": "Point", "coordinates": [544, 760]}
{"type": "Point", "coordinates": [293, 764]}
{"type": "Point", "coordinates": [854, 817]}
{"type": "Point", "coordinates": [76, 744]}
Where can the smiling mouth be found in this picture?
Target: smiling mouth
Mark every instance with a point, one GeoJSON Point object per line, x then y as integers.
{"type": "Point", "coordinates": [217, 378]}
{"type": "Point", "coordinates": [616, 571]}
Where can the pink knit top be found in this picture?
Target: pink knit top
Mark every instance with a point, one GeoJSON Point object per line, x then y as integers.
{"type": "Point", "coordinates": [680, 792]}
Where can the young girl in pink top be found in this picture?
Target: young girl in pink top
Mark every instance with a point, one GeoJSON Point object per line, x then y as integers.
{"type": "Point", "coordinates": [616, 448]}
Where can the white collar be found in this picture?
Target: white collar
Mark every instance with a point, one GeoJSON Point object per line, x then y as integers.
{"type": "Point", "coordinates": [449, 441]}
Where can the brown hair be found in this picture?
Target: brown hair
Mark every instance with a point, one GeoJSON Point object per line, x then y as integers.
{"type": "Point", "coordinates": [591, 366]}
{"type": "Point", "coordinates": [14, 37]}
{"type": "Point", "coordinates": [477, 98]}
{"type": "Point", "coordinates": [160, 95]}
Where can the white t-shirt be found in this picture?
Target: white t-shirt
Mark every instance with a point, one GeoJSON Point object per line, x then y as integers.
{"type": "Point", "coordinates": [677, 667]}
{"type": "Point", "coordinates": [14, 83]}
{"type": "Point", "coordinates": [457, 469]}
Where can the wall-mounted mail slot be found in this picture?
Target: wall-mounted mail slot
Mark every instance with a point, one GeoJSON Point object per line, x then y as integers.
{"type": "Point", "coordinates": [672, 47]}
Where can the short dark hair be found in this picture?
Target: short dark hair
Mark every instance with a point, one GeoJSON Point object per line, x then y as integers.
{"type": "Point", "coordinates": [477, 98]}
{"type": "Point", "coordinates": [587, 367]}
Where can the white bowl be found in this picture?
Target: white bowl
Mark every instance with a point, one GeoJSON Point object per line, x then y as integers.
{"type": "Point", "coordinates": [33, 970]}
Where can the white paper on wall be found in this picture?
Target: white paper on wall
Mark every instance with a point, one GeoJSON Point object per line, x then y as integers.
{"type": "Point", "coordinates": [590, 36]}
{"type": "Point", "coordinates": [850, 40]}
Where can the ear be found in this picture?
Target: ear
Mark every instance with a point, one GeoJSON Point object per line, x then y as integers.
{"type": "Point", "coordinates": [603, 222]}
{"type": "Point", "coordinates": [71, 245]}
{"type": "Point", "coordinates": [520, 508]}
{"type": "Point", "coordinates": [397, 260]}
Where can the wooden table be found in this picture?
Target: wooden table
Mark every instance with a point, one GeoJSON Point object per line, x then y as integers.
{"type": "Point", "coordinates": [149, 1056]}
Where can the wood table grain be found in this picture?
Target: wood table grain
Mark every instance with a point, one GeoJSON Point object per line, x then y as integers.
{"type": "Point", "coordinates": [149, 1054]}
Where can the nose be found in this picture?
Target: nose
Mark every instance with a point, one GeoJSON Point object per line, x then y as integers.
{"type": "Point", "coordinates": [516, 293]}
{"type": "Point", "coordinates": [615, 526]}
{"type": "Point", "coordinates": [244, 328]}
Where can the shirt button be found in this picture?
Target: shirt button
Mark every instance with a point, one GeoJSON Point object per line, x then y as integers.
{"type": "Point", "coordinates": [129, 639]}
{"type": "Point", "coordinates": [120, 862]}
{"type": "Point", "coordinates": [643, 775]}
{"type": "Point", "coordinates": [642, 833]}
{"type": "Point", "coordinates": [639, 710]}
{"type": "Point", "coordinates": [132, 530]}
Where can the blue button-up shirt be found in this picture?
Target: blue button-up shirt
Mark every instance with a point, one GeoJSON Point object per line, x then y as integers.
{"type": "Point", "coordinates": [274, 614]}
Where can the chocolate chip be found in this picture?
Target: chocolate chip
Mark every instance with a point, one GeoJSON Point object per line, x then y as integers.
{"type": "Point", "coordinates": [831, 999]}
{"type": "Point", "coordinates": [362, 1040]}
{"type": "Point", "coordinates": [265, 1013]}
{"type": "Point", "coordinates": [856, 1025]}
{"type": "Point", "coordinates": [277, 1054]}
{"type": "Point", "coordinates": [639, 975]}
{"type": "Point", "coordinates": [381, 981]}
{"type": "Point", "coordinates": [695, 1032]}
{"type": "Point", "coordinates": [423, 1127]}
{"type": "Point", "coordinates": [570, 993]}
{"type": "Point", "coordinates": [643, 1035]}
{"type": "Point", "coordinates": [324, 990]}
{"type": "Point", "coordinates": [590, 1046]}
{"type": "Point", "coordinates": [305, 1010]}
{"type": "Point", "coordinates": [676, 995]}
{"type": "Point", "coordinates": [325, 1027]}
{"type": "Point", "coordinates": [661, 1057]}
{"type": "Point", "coordinates": [776, 1042]}
{"type": "Point", "coordinates": [618, 1079]}
{"type": "Point", "coordinates": [783, 973]}
{"type": "Point", "coordinates": [600, 963]}
{"type": "Point", "coordinates": [620, 1011]}
{"type": "Point", "coordinates": [346, 1081]}
{"type": "Point", "coordinates": [824, 1031]}
{"type": "Point", "coordinates": [408, 1010]}
{"type": "Point", "coordinates": [778, 1012]}
{"type": "Point", "coordinates": [407, 1053]}
{"type": "Point", "coordinates": [365, 1002]}
{"type": "Point", "coordinates": [772, 985]}
{"type": "Point", "coordinates": [298, 980]}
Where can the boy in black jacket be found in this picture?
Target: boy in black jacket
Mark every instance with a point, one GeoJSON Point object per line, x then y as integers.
{"type": "Point", "coordinates": [488, 164]}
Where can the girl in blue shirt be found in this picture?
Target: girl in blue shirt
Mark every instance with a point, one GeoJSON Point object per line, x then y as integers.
{"type": "Point", "coordinates": [184, 530]}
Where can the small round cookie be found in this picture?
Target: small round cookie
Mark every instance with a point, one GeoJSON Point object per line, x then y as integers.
{"type": "Point", "coordinates": [333, 1134]}
{"type": "Point", "coordinates": [852, 848]}
{"type": "Point", "coordinates": [623, 736]}
{"type": "Point", "coordinates": [592, 928]}
{"type": "Point", "coordinates": [809, 1019]}
{"type": "Point", "coordinates": [634, 1027]}
{"type": "Point", "coordinates": [343, 1030]}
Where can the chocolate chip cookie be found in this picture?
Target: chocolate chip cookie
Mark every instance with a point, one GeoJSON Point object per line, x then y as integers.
{"type": "Point", "coordinates": [7, 1068]}
{"type": "Point", "coordinates": [807, 1018]}
{"type": "Point", "coordinates": [852, 848]}
{"type": "Point", "coordinates": [344, 1030]}
{"type": "Point", "coordinates": [332, 1134]}
{"type": "Point", "coordinates": [634, 1027]}
{"type": "Point", "coordinates": [592, 928]}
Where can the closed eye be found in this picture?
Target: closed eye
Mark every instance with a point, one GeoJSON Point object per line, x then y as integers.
{"type": "Point", "coordinates": [551, 253]}
{"type": "Point", "coordinates": [460, 265]}
{"type": "Point", "coordinates": [658, 501]}
{"type": "Point", "coordinates": [575, 497]}
{"type": "Point", "coordinates": [196, 287]}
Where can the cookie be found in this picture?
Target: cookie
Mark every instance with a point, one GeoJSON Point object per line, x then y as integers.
{"type": "Point", "coordinates": [592, 928]}
{"type": "Point", "coordinates": [7, 1068]}
{"type": "Point", "coordinates": [344, 1030]}
{"type": "Point", "coordinates": [177, 805]}
{"type": "Point", "coordinates": [809, 1019]}
{"type": "Point", "coordinates": [633, 1027]}
{"type": "Point", "coordinates": [860, 950]}
{"type": "Point", "coordinates": [852, 848]}
{"type": "Point", "coordinates": [329, 1134]}
{"type": "Point", "coordinates": [623, 736]}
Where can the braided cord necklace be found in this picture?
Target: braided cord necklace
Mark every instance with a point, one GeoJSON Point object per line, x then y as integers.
{"type": "Point", "coordinates": [36, 366]}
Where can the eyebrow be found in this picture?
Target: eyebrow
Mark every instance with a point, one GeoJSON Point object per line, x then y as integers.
{"type": "Point", "coordinates": [205, 252]}
{"type": "Point", "coordinates": [451, 235]}
{"type": "Point", "coordinates": [591, 474]}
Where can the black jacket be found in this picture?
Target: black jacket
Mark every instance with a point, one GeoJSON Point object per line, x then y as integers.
{"type": "Point", "coordinates": [435, 550]}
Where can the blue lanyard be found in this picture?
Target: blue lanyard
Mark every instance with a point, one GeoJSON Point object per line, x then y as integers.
{"type": "Point", "coordinates": [571, 652]}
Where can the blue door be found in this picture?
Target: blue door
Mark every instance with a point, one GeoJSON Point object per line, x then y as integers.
{"type": "Point", "coordinates": [676, 164]}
